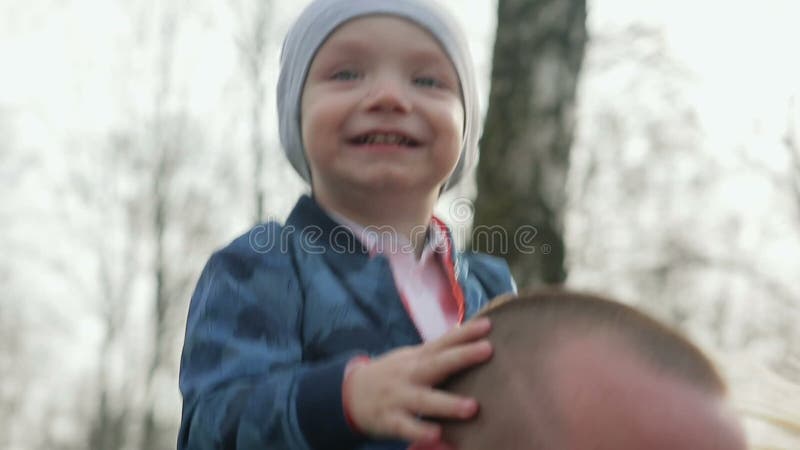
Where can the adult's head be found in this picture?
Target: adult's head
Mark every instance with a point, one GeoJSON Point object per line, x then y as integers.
{"type": "Point", "coordinates": [573, 371]}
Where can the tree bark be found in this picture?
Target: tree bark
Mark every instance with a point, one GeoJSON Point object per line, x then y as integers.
{"type": "Point", "coordinates": [525, 147]}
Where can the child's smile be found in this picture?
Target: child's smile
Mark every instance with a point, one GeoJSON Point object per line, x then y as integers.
{"type": "Point", "coordinates": [384, 139]}
{"type": "Point", "coordinates": [381, 109]}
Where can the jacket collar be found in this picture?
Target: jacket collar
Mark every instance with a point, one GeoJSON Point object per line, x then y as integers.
{"type": "Point", "coordinates": [317, 228]}
{"type": "Point", "coordinates": [341, 248]}
{"type": "Point", "coordinates": [368, 280]}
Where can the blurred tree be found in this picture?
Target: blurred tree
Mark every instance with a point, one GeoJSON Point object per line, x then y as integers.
{"type": "Point", "coordinates": [13, 368]}
{"type": "Point", "coordinates": [146, 190]}
{"type": "Point", "coordinates": [100, 186]}
{"type": "Point", "coordinates": [634, 165]}
{"type": "Point", "coordinates": [23, 351]}
{"type": "Point", "coordinates": [254, 18]}
{"type": "Point", "coordinates": [652, 219]}
{"type": "Point", "coordinates": [167, 148]}
{"type": "Point", "coordinates": [525, 149]}
{"type": "Point", "coordinates": [128, 219]}
{"type": "Point", "coordinates": [178, 215]}
{"type": "Point", "coordinates": [786, 182]}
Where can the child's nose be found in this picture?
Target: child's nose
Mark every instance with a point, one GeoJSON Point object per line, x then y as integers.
{"type": "Point", "coordinates": [388, 95]}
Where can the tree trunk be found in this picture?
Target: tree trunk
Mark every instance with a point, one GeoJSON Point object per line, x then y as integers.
{"type": "Point", "coordinates": [538, 53]}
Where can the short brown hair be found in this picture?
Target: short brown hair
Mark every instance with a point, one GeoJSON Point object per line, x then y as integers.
{"type": "Point", "coordinates": [525, 331]}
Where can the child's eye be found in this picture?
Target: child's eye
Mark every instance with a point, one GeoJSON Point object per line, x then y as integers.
{"type": "Point", "coordinates": [345, 75]}
{"type": "Point", "coordinates": [427, 82]}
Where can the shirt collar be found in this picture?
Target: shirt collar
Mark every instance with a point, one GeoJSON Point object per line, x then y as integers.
{"type": "Point", "coordinates": [384, 240]}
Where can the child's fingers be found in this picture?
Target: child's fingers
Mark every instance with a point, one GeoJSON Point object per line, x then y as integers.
{"type": "Point", "coordinates": [440, 365]}
{"type": "Point", "coordinates": [409, 428]}
{"type": "Point", "coordinates": [442, 405]}
{"type": "Point", "coordinates": [474, 329]}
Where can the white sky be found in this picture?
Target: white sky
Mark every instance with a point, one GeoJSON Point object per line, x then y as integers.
{"type": "Point", "coordinates": [62, 60]}
{"type": "Point", "coordinates": [744, 56]}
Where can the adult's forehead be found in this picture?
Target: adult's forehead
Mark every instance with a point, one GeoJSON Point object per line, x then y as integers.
{"type": "Point", "coordinates": [609, 399]}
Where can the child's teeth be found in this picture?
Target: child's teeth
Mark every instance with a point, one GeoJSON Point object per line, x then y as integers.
{"type": "Point", "coordinates": [389, 139]}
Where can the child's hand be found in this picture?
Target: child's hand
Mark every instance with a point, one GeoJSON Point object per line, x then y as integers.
{"type": "Point", "coordinates": [386, 396]}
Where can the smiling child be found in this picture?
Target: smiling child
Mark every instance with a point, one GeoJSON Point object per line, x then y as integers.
{"type": "Point", "coordinates": [332, 330]}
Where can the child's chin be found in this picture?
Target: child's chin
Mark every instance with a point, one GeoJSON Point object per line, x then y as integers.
{"type": "Point", "coordinates": [391, 183]}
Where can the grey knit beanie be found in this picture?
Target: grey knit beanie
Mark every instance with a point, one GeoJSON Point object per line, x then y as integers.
{"type": "Point", "coordinates": [320, 19]}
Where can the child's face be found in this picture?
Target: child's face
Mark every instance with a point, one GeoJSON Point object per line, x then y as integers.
{"type": "Point", "coordinates": [381, 110]}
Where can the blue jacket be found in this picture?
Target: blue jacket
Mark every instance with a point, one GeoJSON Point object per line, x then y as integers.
{"type": "Point", "coordinates": [275, 317]}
